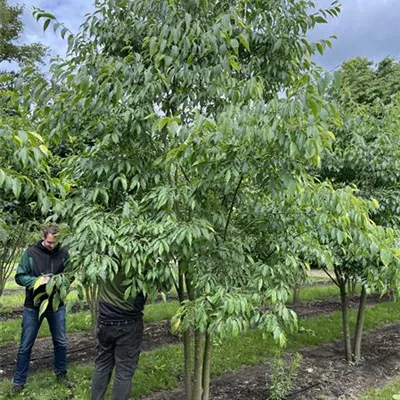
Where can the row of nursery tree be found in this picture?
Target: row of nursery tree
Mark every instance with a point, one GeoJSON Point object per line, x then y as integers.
{"type": "Point", "coordinates": [196, 145]}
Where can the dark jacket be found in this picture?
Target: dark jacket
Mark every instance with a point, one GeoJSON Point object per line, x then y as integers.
{"type": "Point", "coordinates": [114, 307]}
{"type": "Point", "coordinates": [37, 261]}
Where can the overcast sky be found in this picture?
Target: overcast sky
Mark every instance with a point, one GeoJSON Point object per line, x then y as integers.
{"type": "Point", "coordinates": [368, 28]}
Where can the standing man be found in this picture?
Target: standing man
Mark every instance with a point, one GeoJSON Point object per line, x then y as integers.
{"type": "Point", "coordinates": [119, 338]}
{"type": "Point", "coordinates": [45, 259]}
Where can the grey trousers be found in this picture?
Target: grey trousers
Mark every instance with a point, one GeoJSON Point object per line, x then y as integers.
{"type": "Point", "coordinates": [117, 346]}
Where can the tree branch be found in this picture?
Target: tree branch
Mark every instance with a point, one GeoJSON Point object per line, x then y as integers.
{"type": "Point", "coordinates": [232, 204]}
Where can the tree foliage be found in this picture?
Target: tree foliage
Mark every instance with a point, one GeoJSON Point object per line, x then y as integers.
{"type": "Point", "coordinates": [11, 28]}
{"type": "Point", "coordinates": [188, 167]}
{"type": "Point", "coordinates": [367, 83]}
{"type": "Point", "coordinates": [365, 155]}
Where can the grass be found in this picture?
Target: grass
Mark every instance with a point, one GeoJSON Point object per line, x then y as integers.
{"type": "Point", "coordinates": [161, 368]}
{"type": "Point", "coordinates": [12, 285]}
{"type": "Point", "coordinates": [10, 330]}
{"type": "Point", "coordinates": [12, 302]}
{"type": "Point", "coordinates": [385, 393]}
{"type": "Point", "coordinates": [79, 322]}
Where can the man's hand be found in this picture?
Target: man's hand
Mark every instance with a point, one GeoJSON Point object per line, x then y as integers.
{"type": "Point", "coordinates": [44, 280]}
{"type": "Point", "coordinates": [40, 281]}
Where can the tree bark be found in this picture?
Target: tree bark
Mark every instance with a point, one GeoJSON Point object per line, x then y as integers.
{"type": "Point", "coordinates": [92, 298]}
{"type": "Point", "coordinates": [188, 364]}
{"type": "Point", "coordinates": [197, 391]}
{"type": "Point", "coordinates": [186, 339]}
{"type": "Point", "coordinates": [296, 295]}
{"type": "Point", "coordinates": [359, 325]}
{"type": "Point", "coordinates": [345, 320]}
{"type": "Point", "coordinates": [206, 367]}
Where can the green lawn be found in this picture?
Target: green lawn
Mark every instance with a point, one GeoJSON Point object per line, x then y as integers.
{"type": "Point", "coordinates": [385, 393]}
{"type": "Point", "coordinates": [10, 330]}
{"type": "Point", "coordinates": [78, 322]}
{"type": "Point", "coordinates": [12, 285]}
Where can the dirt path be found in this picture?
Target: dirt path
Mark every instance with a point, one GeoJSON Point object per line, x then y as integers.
{"type": "Point", "coordinates": [323, 373]}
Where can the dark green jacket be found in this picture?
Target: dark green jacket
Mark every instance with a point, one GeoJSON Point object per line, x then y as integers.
{"type": "Point", "coordinates": [113, 307]}
{"type": "Point", "coordinates": [37, 261]}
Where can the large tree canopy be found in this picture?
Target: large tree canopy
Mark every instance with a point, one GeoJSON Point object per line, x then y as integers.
{"type": "Point", "coordinates": [190, 169]}
{"type": "Point", "coordinates": [365, 82]}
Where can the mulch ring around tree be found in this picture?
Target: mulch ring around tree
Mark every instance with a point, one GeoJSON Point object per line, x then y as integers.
{"type": "Point", "coordinates": [323, 373]}
{"type": "Point", "coordinates": [81, 348]}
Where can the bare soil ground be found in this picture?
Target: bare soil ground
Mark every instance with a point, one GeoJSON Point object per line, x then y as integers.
{"type": "Point", "coordinates": [323, 373]}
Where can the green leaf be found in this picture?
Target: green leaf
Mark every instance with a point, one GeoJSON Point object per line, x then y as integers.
{"type": "Point", "coordinates": [5, 79]}
{"type": "Point", "coordinates": [46, 24]}
{"type": "Point", "coordinates": [16, 187]}
{"type": "Point", "coordinates": [63, 32]}
{"type": "Point", "coordinates": [46, 15]}
{"type": "Point", "coordinates": [56, 301]}
{"type": "Point", "coordinates": [153, 46]}
{"type": "Point", "coordinates": [235, 45]}
{"type": "Point", "coordinates": [38, 282]}
{"type": "Point", "coordinates": [320, 20]}
{"type": "Point", "coordinates": [43, 307]}
{"type": "Point", "coordinates": [50, 286]}
{"type": "Point", "coordinates": [244, 41]}
{"type": "Point", "coordinates": [44, 149]}
{"type": "Point", "coordinates": [36, 299]}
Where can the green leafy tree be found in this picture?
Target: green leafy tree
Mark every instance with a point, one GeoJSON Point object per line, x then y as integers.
{"type": "Point", "coordinates": [11, 28]}
{"type": "Point", "coordinates": [365, 155]}
{"type": "Point", "coordinates": [27, 188]}
{"type": "Point", "coordinates": [190, 170]}
{"type": "Point", "coordinates": [367, 83]}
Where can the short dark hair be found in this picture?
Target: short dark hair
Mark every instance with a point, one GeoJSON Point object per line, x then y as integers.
{"type": "Point", "coordinates": [50, 229]}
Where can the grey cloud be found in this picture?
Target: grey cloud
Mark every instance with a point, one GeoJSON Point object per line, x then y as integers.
{"type": "Point", "coordinates": [367, 28]}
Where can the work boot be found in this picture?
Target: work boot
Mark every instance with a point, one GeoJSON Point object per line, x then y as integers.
{"type": "Point", "coordinates": [16, 389]}
{"type": "Point", "coordinates": [63, 379]}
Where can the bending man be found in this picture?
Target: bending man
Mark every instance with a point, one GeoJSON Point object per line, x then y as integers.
{"type": "Point", "coordinates": [119, 339]}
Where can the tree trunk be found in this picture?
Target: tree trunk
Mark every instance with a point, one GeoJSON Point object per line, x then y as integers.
{"type": "Point", "coordinates": [198, 366]}
{"type": "Point", "coordinates": [352, 285]}
{"type": "Point", "coordinates": [360, 325]}
{"type": "Point", "coordinates": [345, 320]}
{"type": "Point", "coordinates": [186, 338]}
{"type": "Point", "coordinates": [206, 367]}
{"type": "Point", "coordinates": [9, 254]}
{"type": "Point", "coordinates": [188, 364]}
{"type": "Point", "coordinates": [92, 299]}
{"type": "Point", "coordinates": [296, 295]}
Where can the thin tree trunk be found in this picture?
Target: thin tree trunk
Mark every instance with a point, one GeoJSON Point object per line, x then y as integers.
{"type": "Point", "coordinates": [360, 325]}
{"type": "Point", "coordinates": [92, 298]}
{"type": "Point", "coordinates": [9, 254]}
{"type": "Point", "coordinates": [296, 295]}
{"type": "Point", "coordinates": [352, 284]}
{"type": "Point", "coordinates": [186, 339]}
{"type": "Point", "coordinates": [345, 320]}
{"type": "Point", "coordinates": [198, 365]}
{"type": "Point", "coordinates": [206, 367]}
{"type": "Point", "coordinates": [188, 364]}
{"type": "Point", "coordinates": [353, 287]}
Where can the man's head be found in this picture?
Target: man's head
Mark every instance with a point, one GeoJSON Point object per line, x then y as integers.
{"type": "Point", "coordinates": [50, 237]}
